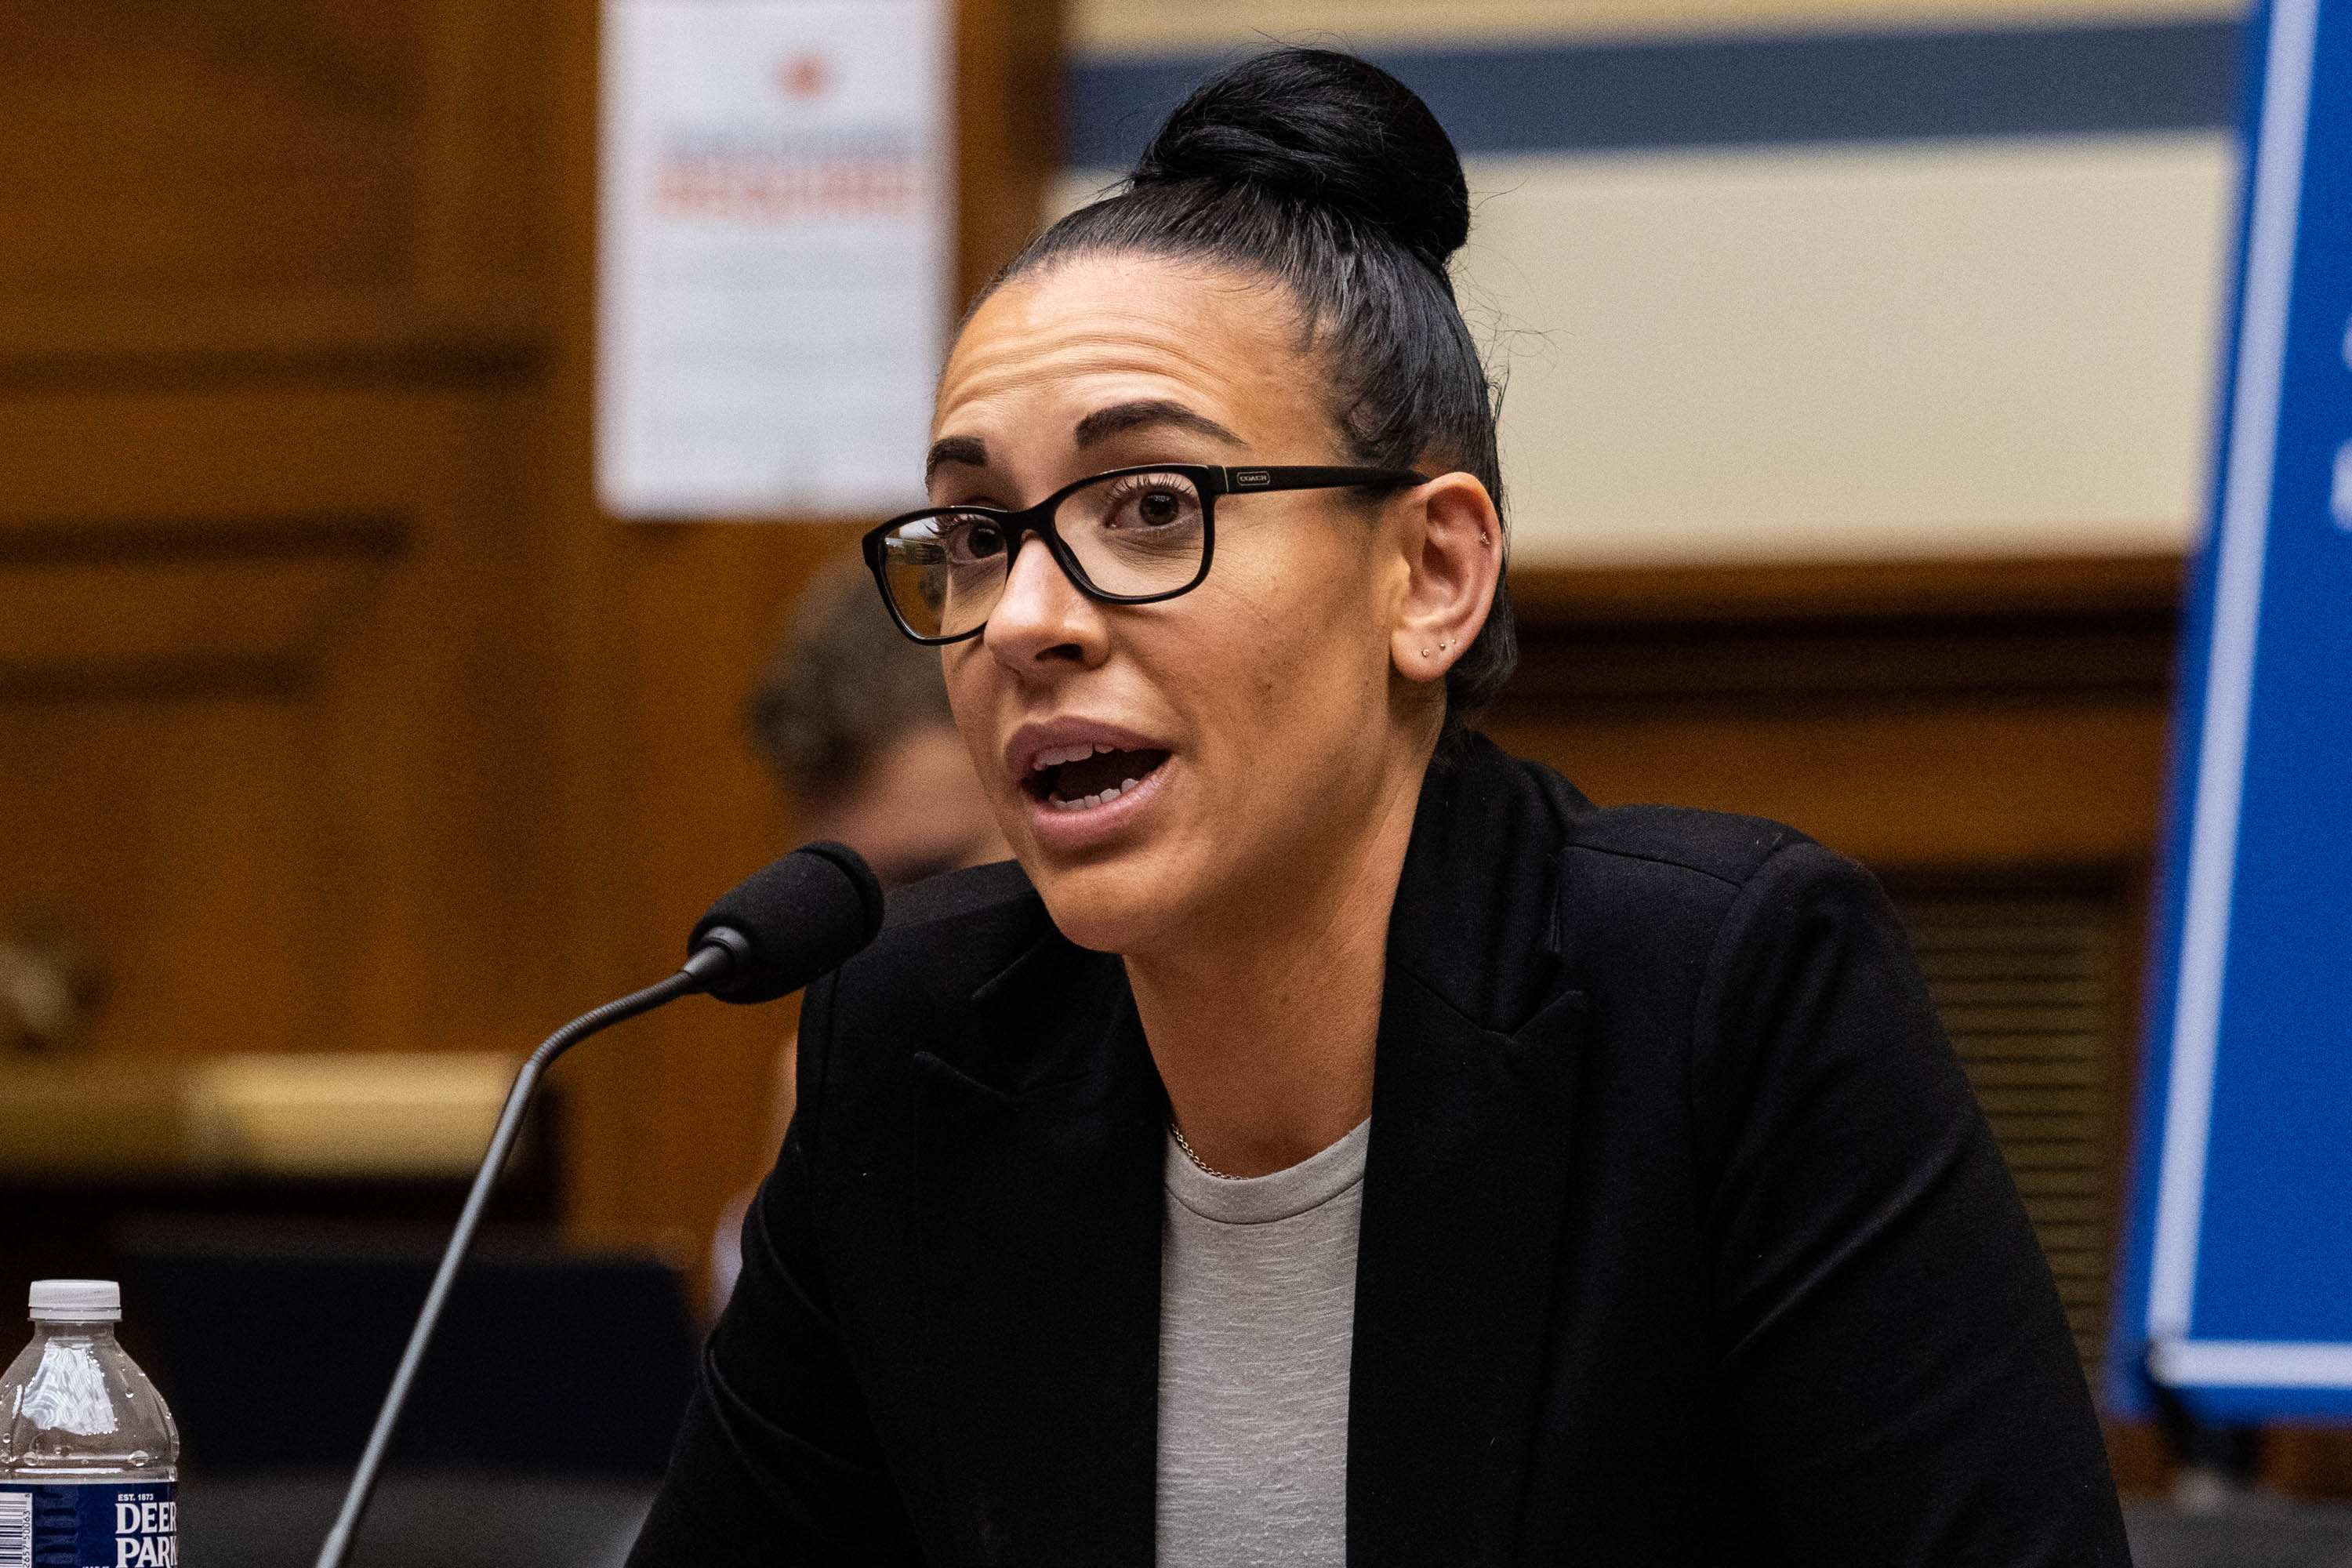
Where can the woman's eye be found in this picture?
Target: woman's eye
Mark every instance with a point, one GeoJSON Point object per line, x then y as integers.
{"type": "Point", "coordinates": [1156, 509]}
{"type": "Point", "coordinates": [975, 540]}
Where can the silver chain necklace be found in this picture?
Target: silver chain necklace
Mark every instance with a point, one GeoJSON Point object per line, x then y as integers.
{"type": "Point", "coordinates": [1198, 1164]}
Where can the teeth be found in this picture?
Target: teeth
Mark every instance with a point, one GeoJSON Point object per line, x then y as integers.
{"type": "Point", "coordinates": [1053, 757]}
{"type": "Point", "coordinates": [1088, 801]}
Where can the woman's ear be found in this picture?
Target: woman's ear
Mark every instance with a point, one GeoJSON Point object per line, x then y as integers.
{"type": "Point", "coordinates": [1453, 559]}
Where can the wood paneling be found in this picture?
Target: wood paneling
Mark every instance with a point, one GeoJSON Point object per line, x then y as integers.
{"type": "Point", "coordinates": [2031, 787]}
{"type": "Point", "coordinates": [1910, 714]}
{"type": "Point", "coordinates": [97, 610]}
{"type": "Point", "coordinates": [1008, 87]}
{"type": "Point", "coordinates": [275, 662]}
{"type": "Point", "coordinates": [669, 1122]}
{"type": "Point", "coordinates": [215, 145]}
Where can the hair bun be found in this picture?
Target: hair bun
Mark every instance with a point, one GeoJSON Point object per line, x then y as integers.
{"type": "Point", "coordinates": [1327, 129]}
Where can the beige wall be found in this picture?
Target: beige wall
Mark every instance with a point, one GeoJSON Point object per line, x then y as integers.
{"type": "Point", "coordinates": [1851, 353]}
{"type": "Point", "coordinates": [1104, 28]}
{"type": "Point", "coordinates": [1962, 350]}
{"type": "Point", "coordinates": [1870, 352]}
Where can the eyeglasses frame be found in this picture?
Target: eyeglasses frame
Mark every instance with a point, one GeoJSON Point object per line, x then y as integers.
{"type": "Point", "coordinates": [1212, 481]}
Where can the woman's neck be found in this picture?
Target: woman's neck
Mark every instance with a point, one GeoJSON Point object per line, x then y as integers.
{"type": "Point", "coordinates": [1264, 1027]}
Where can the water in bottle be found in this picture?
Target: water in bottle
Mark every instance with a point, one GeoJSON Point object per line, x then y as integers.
{"type": "Point", "coordinates": [89, 1460]}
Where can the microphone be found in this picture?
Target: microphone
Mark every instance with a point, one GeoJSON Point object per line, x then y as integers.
{"type": "Point", "coordinates": [780, 928]}
{"type": "Point", "coordinates": [786, 925]}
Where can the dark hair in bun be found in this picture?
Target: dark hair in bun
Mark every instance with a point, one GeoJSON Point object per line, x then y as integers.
{"type": "Point", "coordinates": [1328, 173]}
{"type": "Point", "coordinates": [1324, 128]}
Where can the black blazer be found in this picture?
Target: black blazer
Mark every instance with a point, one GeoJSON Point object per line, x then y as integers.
{"type": "Point", "coordinates": [1682, 1239]}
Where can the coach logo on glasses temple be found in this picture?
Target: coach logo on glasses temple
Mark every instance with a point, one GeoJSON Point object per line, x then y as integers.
{"type": "Point", "coordinates": [1250, 478]}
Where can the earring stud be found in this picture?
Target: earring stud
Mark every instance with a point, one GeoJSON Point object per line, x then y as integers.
{"type": "Point", "coordinates": [1424, 653]}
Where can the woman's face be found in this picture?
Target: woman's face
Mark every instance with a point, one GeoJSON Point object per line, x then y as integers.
{"type": "Point", "coordinates": [1261, 716]}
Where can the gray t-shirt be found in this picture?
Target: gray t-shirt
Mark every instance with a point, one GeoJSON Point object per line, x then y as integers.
{"type": "Point", "coordinates": [1257, 1311]}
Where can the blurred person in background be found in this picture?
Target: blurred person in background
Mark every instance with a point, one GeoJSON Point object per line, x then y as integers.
{"type": "Point", "coordinates": [853, 720]}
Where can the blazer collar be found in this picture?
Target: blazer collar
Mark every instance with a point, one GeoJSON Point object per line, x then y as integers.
{"type": "Point", "coordinates": [1038, 1154]}
{"type": "Point", "coordinates": [1040, 1149]}
{"type": "Point", "coordinates": [1467, 1178]}
{"type": "Point", "coordinates": [1476, 912]}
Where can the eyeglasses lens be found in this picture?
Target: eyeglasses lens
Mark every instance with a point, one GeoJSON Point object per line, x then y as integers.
{"type": "Point", "coordinates": [946, 573]}
{"type": "Point", "coordinates": [1133, 535]}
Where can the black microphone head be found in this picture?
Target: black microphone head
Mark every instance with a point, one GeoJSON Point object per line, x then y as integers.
{"type": "Point", "coordinates": [798, 918]}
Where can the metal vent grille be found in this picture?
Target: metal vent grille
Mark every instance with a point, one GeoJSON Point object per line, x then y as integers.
{"type": "Point", "coordinates": [2025, 987]}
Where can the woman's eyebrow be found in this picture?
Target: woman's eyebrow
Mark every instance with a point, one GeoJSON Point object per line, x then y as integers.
{"type": "Point", "coordinates": [1120, 417]}
{"type": "Point", "coordinates": [968, 450]}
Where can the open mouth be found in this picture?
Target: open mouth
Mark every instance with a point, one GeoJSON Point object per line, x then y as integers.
{"type": "Point", "coordinates": [1080, 777]}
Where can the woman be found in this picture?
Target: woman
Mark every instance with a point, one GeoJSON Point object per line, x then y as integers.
{"type": "Point", "coordinates": [1334, 1139]}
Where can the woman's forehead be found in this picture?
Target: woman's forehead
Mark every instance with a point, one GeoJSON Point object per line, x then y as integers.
{"type": "Point", "coordinates": [1096, 331]}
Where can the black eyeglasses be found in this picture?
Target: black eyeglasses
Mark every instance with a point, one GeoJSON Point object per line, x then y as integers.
{"type": "Point", "coordinates": [1132, 536]}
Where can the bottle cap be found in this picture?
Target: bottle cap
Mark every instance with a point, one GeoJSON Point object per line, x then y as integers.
{"type": "Point", "coordinates": [77, 1301]}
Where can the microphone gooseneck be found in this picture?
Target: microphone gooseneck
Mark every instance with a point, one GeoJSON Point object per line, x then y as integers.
{"type": "Point", "coordinates": [779, 929]}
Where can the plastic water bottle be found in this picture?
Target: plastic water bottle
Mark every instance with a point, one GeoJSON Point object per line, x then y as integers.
{"type": "Point", "coordinates": [90, 1462]}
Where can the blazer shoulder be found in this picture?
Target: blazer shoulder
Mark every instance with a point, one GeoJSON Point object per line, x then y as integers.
{"type": "Point", "coordinates": [977, 890]}
{"type": "Point", "coordinates": [1724, 848]}
{"type": "Point", "coordinates": [912, 989]}
{"type": "Point", "coordinates": [1674, 900]}
{"type": "Point", "coordinates": [950, 934]}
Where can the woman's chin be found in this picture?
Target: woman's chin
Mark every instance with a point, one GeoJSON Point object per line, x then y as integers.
{"type": "Point", "coordinates": [1125, 903]}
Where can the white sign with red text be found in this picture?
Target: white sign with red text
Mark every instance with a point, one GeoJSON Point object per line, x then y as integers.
{"type": "Point", "coordinates": [774, 254]}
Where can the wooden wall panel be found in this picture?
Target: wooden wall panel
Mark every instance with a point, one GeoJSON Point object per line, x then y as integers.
{"type": "Point", "coordinates": [1008, 87]}
{"type": "Point", "coordinates": [239, 144]}
{"type": "Point", "coordinates": [2026, 787]}
{"type": "Point", "coordinates": [276, 651]}
{"type": "Point", "coordinates": [364, 557]}
{"type": "Point", "coordinates": [166, 839]}
{"type": "Point", "coordinates": [96, 622]}
{"type": "Point", "coordinates": [1971, 713]}
{"type": "Point", "coordinates": [670, 1121]}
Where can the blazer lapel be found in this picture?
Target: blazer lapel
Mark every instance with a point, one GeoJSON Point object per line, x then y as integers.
{"type": "Point", "coordinates": [1462, 1194]}
{"type": "Point", "coordinates": [1465, 1183]}
{"type": "Point", "coordinates": [1039, 1161]}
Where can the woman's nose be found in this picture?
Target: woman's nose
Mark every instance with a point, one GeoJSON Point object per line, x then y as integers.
{"type": "Point", "coordinates": [1042, 615]}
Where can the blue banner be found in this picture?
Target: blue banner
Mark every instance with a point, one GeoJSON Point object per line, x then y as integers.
{"type": "Point", "coordinates": [2238, 1282]}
